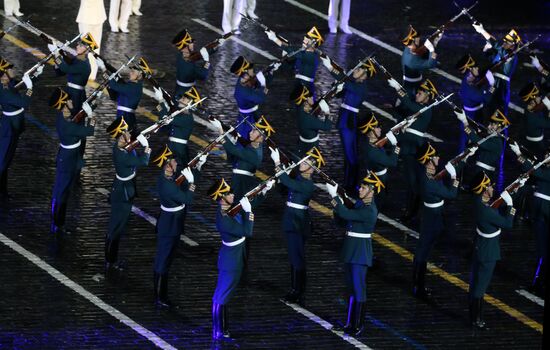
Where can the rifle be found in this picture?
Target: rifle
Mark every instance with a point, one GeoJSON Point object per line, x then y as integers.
{"type": "Point", "coordinates": [193, 162]}
{"type": "Point", "coordinates": [160, 123]}
{"type": "Point", "coordinates": [213, 45]}
{"type": "Point", "coordinates": [349, 202]}
{"type": "Point", "coordinates": [234, 210]}
{"type": "Point", "coordinates": [481, 78]}
{"type": "Point", "coordinates": [422, 49]}
{"type": "Point", "coordinates": [332, 91]}
{"type": "Point", "coordinates": [10, 28]}
{"type": "Point", "coordinates": [386, 73]}
{"type": "Point", "coordinates": [44, 60]}
{"type": "Point", "coordinates": [263, 26]}
{"type": "Point", "coordinates": [49, 40]}
{"type": "Point", "coordinates": [514, 186]}
{"type": "Point", "coordinates": [462, 155]}
{"type": "Point", "coordinates": [405, 123]}
{"type": "Point", "coordinates": [96, 93]}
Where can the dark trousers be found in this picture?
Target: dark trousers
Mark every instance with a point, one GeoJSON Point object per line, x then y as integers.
{"type": "Point", "coordinates": [431, 225]}
{"type": "Point", "coordinates": [226, 286]}
{"type": "Point", "coordinates": [296, 245]}
{"type": "Point", "coordinates": [356, 280]}
{"type": "Point", "coordinates": [482, 272]}
{"type": "Point", "coordinates": [348, 137]}
{"type": "Point", "coordinates": [166, 250]}
{"type": "Point", "coordinates": [120, 214]}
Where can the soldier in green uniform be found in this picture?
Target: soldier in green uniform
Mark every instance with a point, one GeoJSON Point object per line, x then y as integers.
{"type": "Point", "coordinates": [174, 200]}
{"type": "Point", "coordinates": [414, 64]}
{"type": "Point", "coordinates": [489, 222]}
{"type": "Point", "coordinates": [123, 189]}
{"type": "Point", "coordinates": [413, 138]}
{"type": "Point", "coordinates": [297, 220]}
{"type": "Point", "coordinates": [187, 71]}
{"type": "Point", "coordinates": [537, 119]}
{"type": "Point", "coordinates": [376, 159]}
{"type": "Point", "coordinates": [309, 124]}
{"type": "Point", "coordinates": [356, 252]}
{"type": "Point", "coordinates": [69, 159]}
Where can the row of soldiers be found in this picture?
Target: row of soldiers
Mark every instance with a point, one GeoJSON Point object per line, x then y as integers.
{"type": "Point", "coordinates": [244, 144]}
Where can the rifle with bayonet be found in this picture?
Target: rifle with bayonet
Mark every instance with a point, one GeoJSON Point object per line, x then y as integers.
{"type": "Point", "coordinates": [349, 202]}
{"type": "Point", "coordinates": [514, 186]}
{"type": "Point", "coordinates": [49, 40]}
{"type": "Point", "coordinates": [211, 46]}
{"type": "Point", "coordinates": [99, 90]}
{"type": "Point", "coordinates": [388, 75]}
{"type": "Point", "coordinates": [422, 49]}
{"type": "Point", "coordinates": [263, 26]}
{"type": "Point", "coordinates": [10, 28]}
{"type": "Point", "coordinates": [160, 123]}
{"type": "Point", "coordinates": [405, 123]}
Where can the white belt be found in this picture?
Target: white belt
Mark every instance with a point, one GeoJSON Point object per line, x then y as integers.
{"type": "Point", "coordinates": [234, 243]}
{"type": "Point", "coordinates": [126, 109]}
{"type": "Point", "coordinates": [541, 195]}
{"type": "Point", "coordinates": [250, 110]}
{"type": "Point", "coordinates": [296, 206]}
{"type": "Point", "coordinates": [488, 235]}
{"type": "Point", "coordinates": [182, 84]}
{"type": "Point", "coordinates": [415, 132]}
{"type": "Point", "coordinates": [303, 139]}
{"type": "Point", "coordinates": [472, 109]}
{"type": "Point", "coordinates": [75, 86]}
{"type": "Point", "coordinates": [535, 139]}
{"type": "Point", "coordinates": [485, 166]}
{"type": "Point", "coordinates": [242, 172]}
{"type": "Point", "coordinates": [412, 80]}
{"type": "Point", "coordinates": [130, 177]}
{"type": "Point", "coordinates": [173, 209]}
{"type": "Point", "coordinates": [349, 108]}
{"type": "Point", "coordinates": [74, 145]}
{"type": "Point", "coordinates": [10, 114]}
{"type": "Point", "coordinates": [303, 77]}
{"type": "Point", "coordinates": [177, 140]}
{"type": "Point", "coordinates": [502, 76]}
{"type": "Point", "coordinates": [381, 172]}
{"type": "Point", "coordinates": [359, 235]}
{"type": "Point", "coordinates": [434, 205]}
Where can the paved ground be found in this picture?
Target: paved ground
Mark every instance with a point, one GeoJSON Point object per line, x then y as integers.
{"type": "Point", "coordinates": [54, 294]}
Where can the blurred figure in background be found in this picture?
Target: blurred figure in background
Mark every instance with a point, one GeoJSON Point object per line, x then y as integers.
{"type": "Point", "coordinates": [90, 18]}
{"type": "Point", "coordinates": [231, 16]}
{"type": "Point", "coordinates": [11, 8]}
{"type": "Point", "coordinates": [333, 10]}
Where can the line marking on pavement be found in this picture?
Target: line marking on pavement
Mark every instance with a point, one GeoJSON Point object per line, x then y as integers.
{"type": "Point", "coordinates": [535, 299]}
{"type": "Point", "coordinates": [386, 46]}
{"type": "Point", "coordinates": [518, 315]}
{"type": "Point", "coordinates": [389, 244]}
{"type": "Point", "coordinates": [151, 219]}
{"type": "Point", "coordinates": [326, 325]}
{"type": "Point", "coordinates": [152, 337]}
{"type": "Point", "coordinates": [399, 226]}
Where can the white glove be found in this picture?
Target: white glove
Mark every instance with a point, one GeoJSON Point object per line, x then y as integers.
{"type": "Point", "coordinates": [437, 38]}
{"type": "Point", "coordinates": [100, 64]}
{"type": "Point", "coordinates": [204, 54]}
{"type": "Point", "coordinates": [87, 108]}
{"type": "Point", "coordinates": [276, 66]}
{"type": "Point", "coordinates": [326, 62]}
{"type": "Point", "coordinates": [339, 88]}
{"type": "Point", "coordinates": [535, 62]}
{"type": "Point", "coordinates": [451, 170]}
{"type": "Point", "coordinates": [39, 71]}
{"type": "Point", "coordinates": [27, 81]}
{"type": "Point", "coordinates": [324, 106]}
{"type": "Point", "coordinates": [221, 41]}
{"type": "Point", "coordinates": [268, 186]}
{"type": "Point", "coordinates": [216, 124]}
{"type": "Point", "coordinates": [158, 95]}
{"type": "Point", "coordinates": [471, 151]}
{"type": "Point", "coordinates": [271, 35]}
{"type": "Point", "coordinates": [478, 28]}
{"type": "Point", "coordinates": [394, 84]}
{"type": "Point", "coordinates": [245, 204]}
{"type": "Point", "coordinates": [461, 116]}
{"type": "Point", "coordinates": [332, 190]}
{"type": "Point", "coordinates": [487, 46]}
{"type": "Point", "coordinates": [490, 78]}
{"type": "Point", "coordinates": [261, 78]}
{"type": "Point", "coordinates": [202, 160]}
{"type": "Point", "coordinates": [275, 155]}
{"type": "Point", "coordinates": [546, 102]}
{"type": "Point", "coordinates": [507, 198]}
{"type": "Point", "coordinates": [428, 44]}
{"type": "Point", "coordinates": [142, 140]}
{"type": "Point", "coordinates": [391, 137]}
{"type": "Point", "coordinates": [52, 48]}
{"type": "Point", "coordinates": [188, 174]}
{"type": "Point", "coordinates": [515, 148]}
{"type": "Point", "coordinates": [522, 181]}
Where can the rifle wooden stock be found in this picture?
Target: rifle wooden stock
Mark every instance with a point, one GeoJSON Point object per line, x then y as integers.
{"type": "Point", "coordinates": [213, 45]}
{"type": "Point", "coordinates": [263, 26]}
{"type": "Point", "coordinates": [283, 157]}
{"type": "Point", "coordinates": [234, 210]}
{"type": "Point", "coordinates": [387, 74]}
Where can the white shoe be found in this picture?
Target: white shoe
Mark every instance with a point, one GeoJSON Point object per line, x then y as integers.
{"type": "Point", "coordinates": [18, 13]}
{"type": "Point", "coordinates": [333, 30]}
{"type": "Point", "coordinates": [237, 32]}
{"type": "Point", "coordinates": [9, 14]}
{"type": "Point", "coordinates": [137, 13]}
{"type": "Point", "coordinates": [345, 29]}
{"type": "Point", "coordinates": [114, 30]}
{"type": "Point", "coordinates": [252, 15]}
{"type": "Point", "coordinates": [124, 30]}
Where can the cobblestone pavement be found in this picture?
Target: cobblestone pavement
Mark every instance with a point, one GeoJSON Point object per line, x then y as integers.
{"type": "Point", "coordinates": [45, 279]}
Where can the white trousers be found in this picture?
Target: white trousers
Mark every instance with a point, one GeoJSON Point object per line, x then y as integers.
{"type": "Point", "coordinates": [231, 15]}
{"type": "Point", "coordinates": [334, 9]}
{"type": "Point", "coordinates": [136, 4]}
{"type": "Point", "coordinates": [11, 6]}
{"type": "Point", "coordinates": [119, 12]}
{"type": "Point", "coordinates": [250, 6]}
{"type": "Point", "coordinates": [97, 32]}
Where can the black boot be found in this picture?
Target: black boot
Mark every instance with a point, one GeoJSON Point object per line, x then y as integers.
{"type": "Point", "coordinates": [413, 203]}
{"type": "Point", "coordinates": [225, 327]}
{"type": "Point", "coordinates": [537, 285]}
{"type": "Point", "coordinates": [476, 313]}
{"type": "Point", "coordinates": [360, 310]}
{"type": "Point", "coordinates": [218, 322]}
{"type": "Point", "coordinates": [297, 283]}
{"type": "Point", "coordinates": [161, 292]}
{"type": "Point", "coordinates": [419, 276]}
{"type": "Point", "coordinates": [350, 323]}
{"type": "Point", "coordinates": [4, 185]}
{"type": "Point", "coordinates": [56, 225]}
